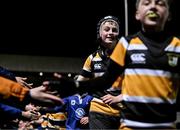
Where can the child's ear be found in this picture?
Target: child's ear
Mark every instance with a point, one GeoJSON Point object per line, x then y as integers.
{"type": "Point", "coordinates": [137, 15]}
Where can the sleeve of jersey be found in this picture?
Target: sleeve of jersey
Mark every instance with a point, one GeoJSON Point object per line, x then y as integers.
{"type": "Point", "coordinates": [86, 71]}
{"type": "Point", "coordinates": [7, 74]}
{"type": "Point", "coordinates": [10, 111]}
{"type": "Point", "coordinates": [119, 52]}
{"type": "Point", "coordinates": [10, 89]}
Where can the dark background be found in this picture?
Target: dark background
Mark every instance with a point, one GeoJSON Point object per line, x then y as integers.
{"type": "Point", "coordinates": [62, 28]}
{"type": "Point", "coordinates": [65, 28]}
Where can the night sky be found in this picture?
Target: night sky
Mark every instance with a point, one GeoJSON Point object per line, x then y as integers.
{"type": "Point", "coordinates": [61, 29]}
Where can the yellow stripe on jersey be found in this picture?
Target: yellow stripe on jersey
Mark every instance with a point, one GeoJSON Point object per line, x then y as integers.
{"type": "Point", "coordinates": [155, 87]}
{"type": "Point", "coordinates": [87, 64]}
{"type": "Point", "coordinates": [135, 41]}
{"type": "Point", "coordinates": [118, 83]}
{"type": "Point", "coordinates": [174, 46]}
{"type": "Point", "coordinates": [119, 52]}
{"type": "Point", "coordinates": [101, 107]}
{"type": "Point", "coordinates": [136, 44]}
{"type": "Point", "coordinates": [175, 42]}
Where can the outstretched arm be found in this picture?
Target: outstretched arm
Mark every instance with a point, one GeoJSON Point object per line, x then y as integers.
{"type": "Point", "coordinates": [71, 86]}
{"type": "Point", "coordinates": [10, 90]}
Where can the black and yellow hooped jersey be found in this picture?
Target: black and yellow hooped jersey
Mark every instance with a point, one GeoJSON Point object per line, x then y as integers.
{"type": "Point", "coordinates": [95, 66]}
{"type": "Point", "coordinates": [151, 80]}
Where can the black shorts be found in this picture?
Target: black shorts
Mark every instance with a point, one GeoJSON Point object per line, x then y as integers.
{"type": "Point", "coordinates": [103, 121]}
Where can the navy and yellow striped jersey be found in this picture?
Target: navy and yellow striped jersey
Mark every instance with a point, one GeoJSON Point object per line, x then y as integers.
{"type": "Point", "coordinates": [95, 66]}
{"type": "Point", "coordinates": [151, 79]}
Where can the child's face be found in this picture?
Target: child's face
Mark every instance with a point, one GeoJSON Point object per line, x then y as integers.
{"type": "Point", "coordinates": [152, 14]}
{"type": "Point", "coordinates": [109, 32]}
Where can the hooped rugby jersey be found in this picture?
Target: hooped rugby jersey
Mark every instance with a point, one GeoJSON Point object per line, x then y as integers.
{"type": "Point", "coordinates": [95, 66]}
{"type": "Point", "coordinates": [151, 80]}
